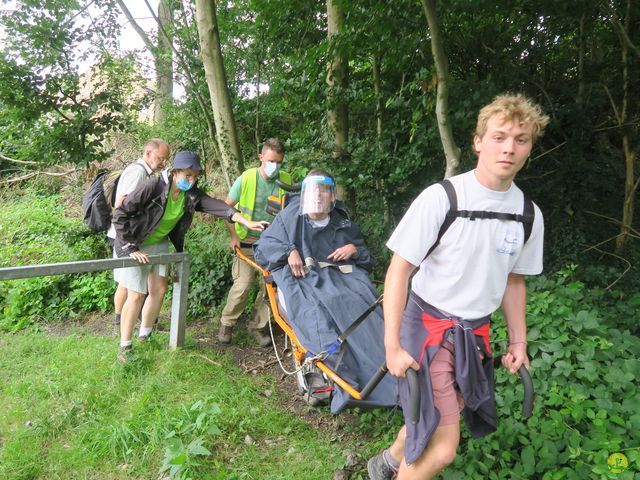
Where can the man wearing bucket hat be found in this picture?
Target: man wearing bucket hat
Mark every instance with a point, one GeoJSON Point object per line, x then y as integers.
{"type": "Point", "coordinates": [158, 212]}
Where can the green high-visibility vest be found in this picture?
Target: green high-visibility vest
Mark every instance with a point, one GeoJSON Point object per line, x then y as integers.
{"type": "Point", "coordinates": [249, 186]}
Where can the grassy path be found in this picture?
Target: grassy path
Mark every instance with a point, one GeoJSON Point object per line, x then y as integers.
{"type": "Point", "coordinates": [69, 411]}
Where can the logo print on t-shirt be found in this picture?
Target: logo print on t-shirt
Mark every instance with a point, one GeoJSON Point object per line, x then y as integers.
{"type": "Point", "coordinates": [510, 243]}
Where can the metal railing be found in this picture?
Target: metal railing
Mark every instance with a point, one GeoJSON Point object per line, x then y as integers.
{"type": "Point", "coordinates": [180, 283]}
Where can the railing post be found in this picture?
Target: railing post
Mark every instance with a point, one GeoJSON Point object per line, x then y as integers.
{"type": "Point", "coordinates": [179, 304]}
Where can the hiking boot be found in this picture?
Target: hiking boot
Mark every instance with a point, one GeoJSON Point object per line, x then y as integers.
{"type": "Point", "coordinates": [224, 334]}
{"type": "Point", "coordinates": [125, 354]}
{"type": "Point", "coordinates": [379, 468]}
{"type": "Point", "coordinates": [144, 338]}
{"type": "Point", "coordinates": [261, 337]}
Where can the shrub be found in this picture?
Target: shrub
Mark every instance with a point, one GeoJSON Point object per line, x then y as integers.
{"type": "Point", "coordinates": [35, 230]}
{"type": "Point", "coordinates": [209, 277]}
{"type": "Point", "coordinates": [584, 369]}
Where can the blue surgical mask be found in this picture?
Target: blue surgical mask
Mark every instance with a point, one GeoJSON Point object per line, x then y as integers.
{"type": "Point", "coordinates": [271, 169]}
{"type": "Point", "coordinates": [184, 184]}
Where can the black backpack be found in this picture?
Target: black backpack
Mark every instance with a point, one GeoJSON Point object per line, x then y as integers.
{"type": "Point", "coordinates": [99, 200]}
{"type": "Point", "coordinates": [526, 218]}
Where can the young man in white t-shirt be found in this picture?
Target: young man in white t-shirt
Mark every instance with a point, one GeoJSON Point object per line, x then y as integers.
{"type": "Point", "coordinates": [478, 266]}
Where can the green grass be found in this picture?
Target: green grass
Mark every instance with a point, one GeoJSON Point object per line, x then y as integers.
{"type": "Point", "coordinates": [68, 410]}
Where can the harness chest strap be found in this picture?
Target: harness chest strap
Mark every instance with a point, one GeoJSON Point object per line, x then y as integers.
{"type": "Point", "coordinates": [311, 262]}
{"type": "Point", "coordinates": [526, 218]}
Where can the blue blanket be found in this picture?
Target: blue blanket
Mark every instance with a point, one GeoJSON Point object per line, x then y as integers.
{"type": "Point", "coordinates": [323, 304]}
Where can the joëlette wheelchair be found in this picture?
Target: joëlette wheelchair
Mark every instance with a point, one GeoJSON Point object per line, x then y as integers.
{"type": "Point", "coordinates": [314, 376]}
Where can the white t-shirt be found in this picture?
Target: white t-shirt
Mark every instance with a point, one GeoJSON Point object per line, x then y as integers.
{"type": "Point", "coordinates": [131, 177]}
{"type": "Point", "coordinates": [466, 275]}
{"type": "Point", "coordinates": [320, 223]}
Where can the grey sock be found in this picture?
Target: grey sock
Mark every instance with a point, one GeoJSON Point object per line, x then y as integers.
{"type": "Point", "coordinates": [390, 460]}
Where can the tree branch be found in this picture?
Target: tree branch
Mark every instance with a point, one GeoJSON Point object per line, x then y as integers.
{"type": "Point", "coordinates": [624, 37]}
{"type": "Point", "coordinates": [613, 105]}
{"type": "Point", "coordinates": [27, 176]}
{"type": "Point", "coordinates": [22, 162]}
{"type": "Point", "coordinates": [613, 220]}
{"type": "Point", "coordinates": [143, 35]}
{"type": "Point", "coordinates": [608, 287]}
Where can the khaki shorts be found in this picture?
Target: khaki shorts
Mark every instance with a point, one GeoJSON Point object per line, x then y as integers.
{"type": "Point", "coordinates": [446, 396]}
{"type": "Point", "coordinates": [136, 278]}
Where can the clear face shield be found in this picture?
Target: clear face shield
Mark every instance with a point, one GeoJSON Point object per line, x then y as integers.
{"type": "Point", "coordinates": [318, 195]}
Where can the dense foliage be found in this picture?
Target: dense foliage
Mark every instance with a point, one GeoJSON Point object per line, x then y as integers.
{"type": "Point", "coordinates": [583, 343]}
{"type": "Point", "coordinates": [59, 98]}
{"type": "Point", "coordinates": [578, 59]}
{"type": "Point", "coordinates": [584, 361]}
{"type": "Point", "coordinates": [35, 229]}
{"type": "Point", "coordinates": [566, 56]}
{"type": "Point", "coordinates": [210, 264]}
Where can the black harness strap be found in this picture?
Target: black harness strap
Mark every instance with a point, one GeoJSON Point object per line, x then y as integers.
{"type": "Point", "coordinates": [526, 218]}
{"type": "Point", "coordinates": [342, 339]}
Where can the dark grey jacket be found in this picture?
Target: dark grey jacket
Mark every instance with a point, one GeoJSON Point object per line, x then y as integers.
{"type": "Point", "coordinates": [324, 303]}
{"type": "Point", "coordinates": [142, 210]}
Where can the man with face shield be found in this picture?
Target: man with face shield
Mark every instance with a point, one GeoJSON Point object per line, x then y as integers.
{"type": "Point", "coordinates": [318, 259]}
{"type": "Point", "coordinates": [318, 196]}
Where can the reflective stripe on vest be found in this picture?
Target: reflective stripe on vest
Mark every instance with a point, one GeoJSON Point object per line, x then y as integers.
{"type": "Point", "coordinates": [248, 187]}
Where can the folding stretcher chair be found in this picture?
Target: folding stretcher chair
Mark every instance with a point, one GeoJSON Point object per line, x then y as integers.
{"type": "Point", "coordinates": [309, 367]}
{"type": "Point", "coordinates": [312, 370]}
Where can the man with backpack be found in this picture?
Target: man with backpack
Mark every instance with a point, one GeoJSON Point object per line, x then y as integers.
{"type": "Point", "coordinates": [155, 155]}
{"type": "Point", "coordinates": [486, 240]}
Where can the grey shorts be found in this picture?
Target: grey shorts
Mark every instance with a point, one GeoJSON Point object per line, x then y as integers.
{"type": "Point", "coordinates": [136, 278]}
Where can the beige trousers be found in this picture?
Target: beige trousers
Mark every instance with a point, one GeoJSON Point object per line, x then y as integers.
{"type": "Point", "coordinates": [243, 276]}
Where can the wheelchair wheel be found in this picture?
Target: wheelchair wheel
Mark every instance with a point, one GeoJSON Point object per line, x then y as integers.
{"type": "Point", "coordinates": [313, 385]}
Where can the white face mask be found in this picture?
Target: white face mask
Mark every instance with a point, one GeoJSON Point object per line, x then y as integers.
{"type": "Point", "coordinates": [271, 169]}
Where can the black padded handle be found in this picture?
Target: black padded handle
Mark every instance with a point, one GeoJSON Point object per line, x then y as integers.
{"type": "Point", "coordinates": [414, 390]}
{"type": "Point", "coordinates": [288, 188]}
{"type": "Point", "coordinates": [527, 383]}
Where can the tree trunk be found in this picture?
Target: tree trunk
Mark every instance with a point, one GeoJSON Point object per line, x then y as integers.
{"type": "Point", "coordinates": [258, 134]}
{"type": "Point", "coordinates": [226, 132]}
{"type": "Point", "coordinates": [377, 88]}
{"type": "Point", "coordinates": [337, 80]}
{"type": "Point", "coordinates": [630, 184]}
{"type": "Point", "coordinates": [202, 104]}
{"type": "Point", "coordinates": [162, 57]}
{"type": "Point", "coordinates": [581, 49]}
{"type": "Point", "coordinates": [164, 61]}
{"type": "Point", "coordinates": [451, 150]}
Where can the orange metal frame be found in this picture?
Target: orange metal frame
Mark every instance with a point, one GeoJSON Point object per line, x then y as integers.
{"type": "Point", "coordinates": [298, 349]}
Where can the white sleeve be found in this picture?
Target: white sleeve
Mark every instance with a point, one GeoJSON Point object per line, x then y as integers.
{"type": "Point", "coordinates": [131, 177]}
{"type": "Point", "coordinates": [530, 260]}
{"type": "Point", "coordinates": [418, 229]}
